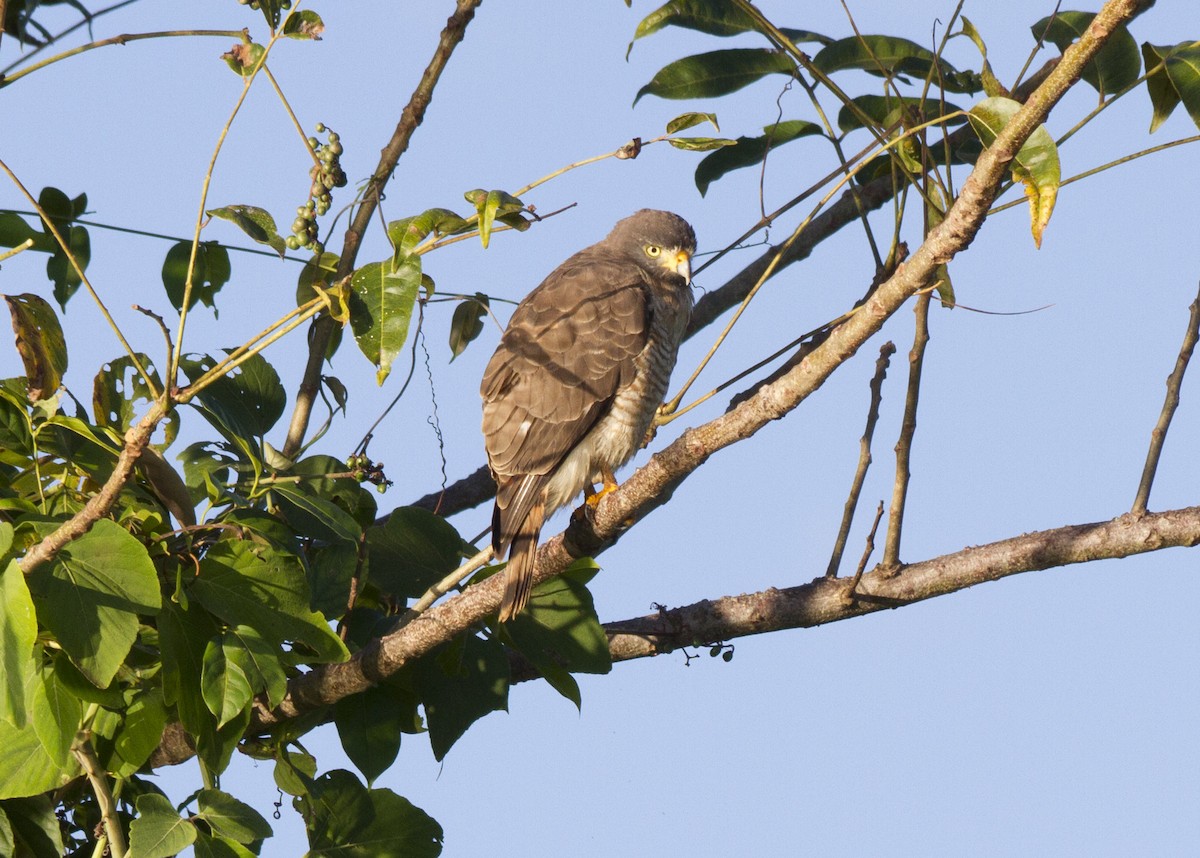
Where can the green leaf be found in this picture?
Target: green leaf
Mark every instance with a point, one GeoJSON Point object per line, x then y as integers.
{"type": "Point", "coordinates": [304, 24]}
{"type": "Point", "coordinates": [119, 389]}
{"type": "Point", "coordinates": [370, 724]}
{"type": "Point", "coordinates": [700, 144]}
{"type": "Point", "coordinates": [716, 73]}
{"type": "Point", "coordinates": [467, 323]}
{"type": "Point", "coordinates": [330, 569]}
{"type": "Point", "coordinates": [884, 111]}
{"type": "Point", "coordinates": [244, 58]}
{"type": "Point", "coordinates": [26, 768]}
{"type": "Point", "coordinates": [412, 550]}
{"type": "Point", "coordinates": [139, 734]}
{"type": "Point", "coordinates": [493, 206]}
{"type": "Point", "coordinates": [406, 234]}
{"type": "Point", "coordinates": [62, 210]}
{"type": "Point", "coordinates": [313, 515]}
{"type": "Point", "coordinates": [294, 771]}
{"type": "Point", "coordinates": [750, 151]}
{"type": "Point", "coordinates": [248, 583]}
{"type": "Point", "coordinates": [346, 820]}
{"type": "Point", "coordinates": [231, 818]}
{"type": "Point", "coordinates": [560, 633]}
{"type": "Point", "coordinates": [1116, 66]}
{"type": "Point", "coordinates": [56, 712]}
{"type": "Point", "coordinates": [894, 57]}
{"type": "Point", "coordinates": [690, 120]}
{"type": "Point", "coordinates": [18, 631]}
{"type": "Point", "coordinates": [158, 831]}
{"type": "Point", "coordinates": [35, 830]}
{"type": "Point", "coordinates": [255, 222]}
{"type": "Point", "coordinates": [246, 402]}
{"type": "Point", "coordinates": [1178, 80]}
{"type": "Point", "coordinates": [39, 342]}
{"type": "Point", "coordinates": [1036, 165]}
{"type": "Point", "coordinates": [16, 428]}
{"type": "Point", "coordinates": [238, 665]}
{"type": "Point", "coordinates": [90, 596]}
{"type": "Point", "coordinates": [207, 846]}
{"type": "Point", "coordinates": [460, 684]}
{"type": "Point", "coordinates": [211, 271]}
{"type": "Point", "coordinates": [15, 230]}
{"type": "Point", "coordinates": [381, 307]}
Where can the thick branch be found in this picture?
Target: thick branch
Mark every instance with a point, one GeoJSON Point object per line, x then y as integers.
{"type": "Point", "coordinates": [410, 118]}
{"type": "Point", "coordinates": [826, 600]}
{"type": "Point", "coordinates": [652, 485]}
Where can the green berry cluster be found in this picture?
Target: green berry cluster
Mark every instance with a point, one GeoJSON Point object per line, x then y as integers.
{"type": "Point", "coordinates": [326, 174]}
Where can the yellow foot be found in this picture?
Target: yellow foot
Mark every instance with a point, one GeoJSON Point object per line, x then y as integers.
{"type": "Point", "coordinates": [592, 497]}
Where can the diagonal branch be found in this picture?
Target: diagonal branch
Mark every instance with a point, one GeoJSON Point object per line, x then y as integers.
{"type": "Point", "coordinates": [653, 484]}
{"type": "Point", "coordinates": [410, 118]}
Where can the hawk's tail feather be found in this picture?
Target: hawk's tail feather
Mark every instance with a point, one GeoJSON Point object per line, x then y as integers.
{"type": "Point", "coordinates": [518, 574]}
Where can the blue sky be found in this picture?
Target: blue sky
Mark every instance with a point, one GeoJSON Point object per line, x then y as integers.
{"type": "Point", "coordinates": [1051, 713]}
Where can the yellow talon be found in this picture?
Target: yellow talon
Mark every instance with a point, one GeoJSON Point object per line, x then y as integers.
{"type": "Point", "coordinates": [592, 497]}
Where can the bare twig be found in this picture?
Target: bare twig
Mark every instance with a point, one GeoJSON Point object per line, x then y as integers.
{"type": "Point", "coordinates": [916, 360]}
{"type": "Point", "coordinates": [864, 458]}
{"type": "Point", "coordinates": [1159, 434]}
{"type": "Point", "coordinates": [410, 118]}
{"type": "Point", "coordinates": [868, 549]}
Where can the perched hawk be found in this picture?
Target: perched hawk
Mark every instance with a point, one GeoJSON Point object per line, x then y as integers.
{"type": "Point", "coordinates": [578, 376]}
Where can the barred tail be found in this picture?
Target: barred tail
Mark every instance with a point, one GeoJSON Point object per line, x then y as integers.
{"type": "Point", "coordinates": [522, 556]}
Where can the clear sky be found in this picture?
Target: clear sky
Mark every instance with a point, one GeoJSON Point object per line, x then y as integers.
{"type": "Point", "coordinates": [1052, 713]}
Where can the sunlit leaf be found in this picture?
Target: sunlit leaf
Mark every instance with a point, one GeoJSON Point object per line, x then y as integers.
{"type": "Point", "coordinates": [690, 120]}
{"type": "Point", "coordinates": [231, 818]}
{"type": "Point", "coordinates": [18, 631]}
{"type": "Point", "coordinates": [159, 831]}
{"type": "Point", "coordinates": [304, 24]}
{"type": "Point", "coordinates": [1036, 165]}
{"type": "Point", "coordinates": [244, 58]}
{"type": "Point", "coordinates": [381, 308]}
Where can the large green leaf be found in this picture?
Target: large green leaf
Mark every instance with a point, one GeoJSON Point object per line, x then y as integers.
{"type": "Point", "coordinates": [34, 827]}
{"type": "Point", "coordinates": [238, 665]}
{"type": "Point", "coordinates": [714, 17]}
{"type": "Point", "coordinates": [26, 768]}
{"type": "Point", "coordinates": [459, 685]}
{"type": "Point", "coordinates": [346, 820]}
{"type": "Point", "coordinates": [716, 73]}
{"type": "Point", "coordinates": [139, 734]}
{"type": "Point", "coordinates": [1178, 80]}
{"type": "Point", "coordinates": [210, 272]}
{"type": "Point", "coordinates": [1036, 165]}
{"type": "Point", "coordinates": [894, 57]}
{"type": "Point", "coordinates": [370, 725]}
{"type": "Point", "coordinates": [750, 151]}
{"type": "Point", "coordinates": [1117, 64]}
{"type": "Point", "coordinates": [159, 831]}
{"type": "Point", "coordinates": [40, 343]}
{"type": "Point", "coordinates": [412, 550]}
{"type": "Point", "coordinates": [248, 583]}
{"type": "Point", "coordinates": [18, 631]}
{"type": "Point", "coordinates": [381, 307]}
{"type": "Point", "coordinates": [407, 233]}
{"type": "Point", "coordinates": [90, 596]}
{"type": "Point", "coordinates": [56, 712]}
{"type": "Point", "coordinates": [246, 402]}
{"type": "Point", "coordinates": [231, 818]}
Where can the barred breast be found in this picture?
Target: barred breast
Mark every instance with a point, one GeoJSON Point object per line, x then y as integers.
{"type": "Point", "coordinates": [617, 436]}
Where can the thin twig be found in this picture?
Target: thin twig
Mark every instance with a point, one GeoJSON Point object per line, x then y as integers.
{"type": "Point", "coordinates": [410, 118]}
{"type": "Point", "coordinates": [441, 588]}
{"type": "Point", "coordinates": [864, 458]}
{"type": "Point", "coordinates": [868, 550]}
{"type": "Point", "coordinates": [1159, 434]}
{"type": "Point", "coordinates": [916, 359]}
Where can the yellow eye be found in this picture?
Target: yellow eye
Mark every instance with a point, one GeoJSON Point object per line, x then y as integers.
{"type": "Point", "coordinates": [653, 250]}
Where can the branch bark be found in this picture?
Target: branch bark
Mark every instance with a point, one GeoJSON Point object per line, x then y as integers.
{"type": "Point", "coordinates": [410, 118]}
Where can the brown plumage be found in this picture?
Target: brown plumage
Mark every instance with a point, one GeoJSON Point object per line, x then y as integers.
{"type": "Point", "coordinates": [578, 376]}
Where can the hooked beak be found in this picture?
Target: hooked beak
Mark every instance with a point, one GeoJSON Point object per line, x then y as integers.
{"type": "Point", "coordinates": [682, 265]}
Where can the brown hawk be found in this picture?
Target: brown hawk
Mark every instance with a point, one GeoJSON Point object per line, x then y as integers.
{"type": "Point", "coordinates": [578, 376]}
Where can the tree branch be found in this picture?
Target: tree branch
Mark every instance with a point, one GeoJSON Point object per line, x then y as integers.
{"type": "Point", "coordinates": [1158, 435]}
{"type": "Point", "coordinates": [826, 600]}
{"type": "Point", "coordinates": [410, 118]}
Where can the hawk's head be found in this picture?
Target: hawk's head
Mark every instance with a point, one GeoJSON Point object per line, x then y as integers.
{"type": "Point", "coordinates": [661, 243]}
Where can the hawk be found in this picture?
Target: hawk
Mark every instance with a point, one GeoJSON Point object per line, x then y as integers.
{"type": "Point", "coordinates": [577, 379]}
